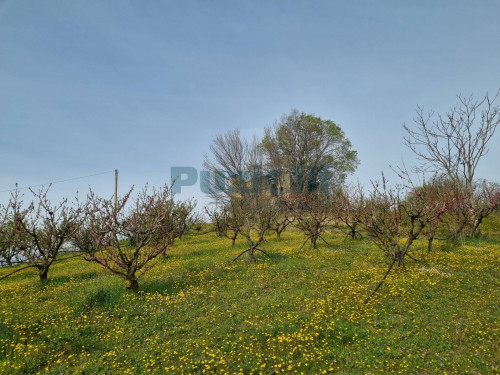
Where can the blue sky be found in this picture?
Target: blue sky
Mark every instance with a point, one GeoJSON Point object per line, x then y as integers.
{"type": "Point", "coordinates": [90, 86]}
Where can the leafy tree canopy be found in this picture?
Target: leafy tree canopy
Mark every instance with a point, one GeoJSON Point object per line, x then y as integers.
{"type": "Point", "coordinates": [313, 150]}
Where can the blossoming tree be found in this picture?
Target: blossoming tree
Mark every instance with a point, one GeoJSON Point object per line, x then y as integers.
{"type": "Point", "coordinates": [127, 239]}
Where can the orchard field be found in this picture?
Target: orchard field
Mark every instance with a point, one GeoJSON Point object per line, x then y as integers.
{"type": "Point", "coordinates": [297, 312]}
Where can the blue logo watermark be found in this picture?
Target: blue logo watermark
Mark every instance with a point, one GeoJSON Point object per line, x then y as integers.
{"type": "Point", "coordinates": [274, 182]}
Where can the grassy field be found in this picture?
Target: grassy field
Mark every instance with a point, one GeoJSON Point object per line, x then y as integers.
{"type": "Point", "coordinates": [298, 312]}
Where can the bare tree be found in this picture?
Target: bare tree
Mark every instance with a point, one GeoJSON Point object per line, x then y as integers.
{"type": "Point", "coordinates": [233, 162]}
{"type": "Point", "coordinates": [283, 218]}
{"type": "Point", "coordinates": [8, 250]}
{"type": "Point", "coordinates": [226, 221]}
{"type": "Point", "coordinates": [349, 203]}
{"type": "Point", "coordinates": [126, 241]}
{"type": "Point", "coordinates": [312, 213]}
{"type": "Point", "coordinates": [486, 200]}
{"type": "Point", "coordinates": [41, 229]}
{"type": "Point", "coordinates": [187, 219]}
{"type": "Point", "coordinates": [454, 143]}
{"type": "Point", "coordinates": [437, 190]}
{"type": "Point", "coordinates": [458, 216]}
{"type": "Point", "coordinates": [394, 217]}
{"type": "Point", "coordinates": [256, 215]}
{"type": "Point", "coordinates": [464, 214]}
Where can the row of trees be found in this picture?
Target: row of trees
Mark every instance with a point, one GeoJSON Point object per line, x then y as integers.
{"type": "Point", "coordinates": [316, 157]}
{"type": "Point", "coordinates": [295, 175]}
{"type": "Point", "coordinates": [388, 215]}
{"type": "Point", "coordinates": [123, 238]}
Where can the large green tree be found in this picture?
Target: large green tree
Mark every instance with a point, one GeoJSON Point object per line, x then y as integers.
{"type": "Point", "coordinates": [313, 151]}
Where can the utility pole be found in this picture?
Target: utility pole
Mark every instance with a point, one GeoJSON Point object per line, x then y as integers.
{"type": "Point", "coordinates": [116, 188]}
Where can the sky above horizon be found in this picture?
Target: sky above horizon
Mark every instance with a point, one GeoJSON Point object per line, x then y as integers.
{"type": "Point", "coordinates": [91, 86]}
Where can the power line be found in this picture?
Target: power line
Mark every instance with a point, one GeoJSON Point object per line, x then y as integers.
{"type": "Point", "coordinates": [56, 182]}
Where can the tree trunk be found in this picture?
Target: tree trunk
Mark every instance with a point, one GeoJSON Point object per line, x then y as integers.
{"type": "Point", "coordinates": [474, 232]}
{"type": "Point", "coordinates": [133, 284]}
{"type": "Point", "coordinates": [400, 256]}
{"type": "Point", "coordinates": [313, 241]}
{"type": "Point", "coordinates": [42, 273]}
{"type": "Point", "coordinates": [233, 240]}
{"type": "Point", "coordinates": [353, 231]}
{"type": "Point", "coordinates": [429, 244]}
{"type": "Point", "coordinates": [252, 255]}
{"type": "Point", "coordinates": [278, 234]}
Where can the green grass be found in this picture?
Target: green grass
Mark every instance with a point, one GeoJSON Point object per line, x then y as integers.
{"type": "Point", "coordinates": [296, 312]}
